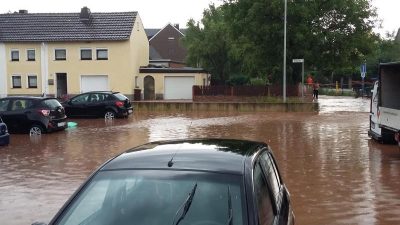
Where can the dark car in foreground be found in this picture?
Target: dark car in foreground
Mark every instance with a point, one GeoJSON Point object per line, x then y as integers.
{"type": "Point", "coordinates": [187, 182]}
{"type": "Point", "coordinates": [4, 135]}
{"type": "Point", "coordinates": [105, 104]}
{"type": "Point", "coordinates": [33, 115]}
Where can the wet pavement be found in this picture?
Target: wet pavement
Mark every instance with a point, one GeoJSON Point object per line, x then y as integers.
{"type": "Point", "coordinates": [335, 173]}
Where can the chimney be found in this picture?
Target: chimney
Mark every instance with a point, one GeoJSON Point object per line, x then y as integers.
{"type": "Point", "coordinates": [85, 14]}
{"type": "Point", "coordinates": [23, 11]}
{"type": "Point", "coordinates": [176, 26]}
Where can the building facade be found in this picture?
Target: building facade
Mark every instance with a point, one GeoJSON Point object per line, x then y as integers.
{"type": "Point", "coordinates": [59, 54]}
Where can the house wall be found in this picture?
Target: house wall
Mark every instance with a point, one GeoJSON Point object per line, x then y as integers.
{"type": "Point", "coordinates": [23, 67]}
{"type": "Point", "coordinates": [122, 66]}
{"type": "Point", "coordinates": [167, 42]}
{"type": "Point", "coordinates": [160, 77]}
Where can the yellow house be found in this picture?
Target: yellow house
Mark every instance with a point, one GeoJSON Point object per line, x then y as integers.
{"type": "Point", "coordinates": [60, 54]}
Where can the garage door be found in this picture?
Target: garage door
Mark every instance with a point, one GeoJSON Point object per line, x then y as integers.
{"type": "Point", "coordinates": [178, 87]}
{"type": "Point", "coordinates": [94, 83]}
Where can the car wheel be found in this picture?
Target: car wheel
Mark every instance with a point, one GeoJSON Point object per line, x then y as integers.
{"type": "Point", "coordinates": [109, 115]}
{"type": "Point", "coordinates": [36, 130]}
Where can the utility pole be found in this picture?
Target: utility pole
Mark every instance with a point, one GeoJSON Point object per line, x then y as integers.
{"type": "Point", "coordinates": [284, 55]}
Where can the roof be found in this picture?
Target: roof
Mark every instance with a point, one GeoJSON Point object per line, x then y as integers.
{"type": "Point", "coordinates": [216, 155]}
{"type": "Point", "coordinates": [172, 70]}
{"type": "Point", "coordinates": [52, 27]}
{"type": "Point", "coordinates": [150, 32]}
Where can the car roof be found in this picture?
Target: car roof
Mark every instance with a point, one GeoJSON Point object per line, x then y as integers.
{"type": "Point", "coordinates": [107, 92]}
{"type": "Point", "coordinates": [214, 155]}
{"type": "Point", "coordinates": [28, 97]}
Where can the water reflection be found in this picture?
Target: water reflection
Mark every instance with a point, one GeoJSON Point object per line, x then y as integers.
{"type": "Point", "coordinates": [336, 175]}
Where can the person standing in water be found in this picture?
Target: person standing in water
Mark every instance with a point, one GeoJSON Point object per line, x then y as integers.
{"type": "Point", "coordinates": [315, 90]}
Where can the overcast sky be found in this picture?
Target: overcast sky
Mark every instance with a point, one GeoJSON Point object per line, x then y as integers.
{"type": "Point", "coordinates": [157, 13]}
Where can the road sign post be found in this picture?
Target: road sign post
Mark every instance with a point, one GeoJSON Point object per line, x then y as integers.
{"type": "Point", "coordinates": [363, 71]}
{"type": "Point", "coordinates": [302, 74]}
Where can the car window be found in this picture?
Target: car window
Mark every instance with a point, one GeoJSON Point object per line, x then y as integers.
{"type": "Point", "coordinates": [271, 172]}
{"type": "Point", "coordinates": [153, 197]}
{"type": "Point", "coordinates": [80, 98]}
{"type": "Point", "coordinates": [120, 96]}
{"type": "Point", "coordinates": [51, 103]}
{"type": "Point", "coordinates": [263, 198]}
{"type": "Point", "coordinates": [21, 104]}
{"type": "Point", "coordinates": [4, 104]}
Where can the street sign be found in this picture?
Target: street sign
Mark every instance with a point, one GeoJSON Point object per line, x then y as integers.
{"type": "Point", "coordinates": [298, 60]}
{"type": "Point", "coordinates": [363, 70]}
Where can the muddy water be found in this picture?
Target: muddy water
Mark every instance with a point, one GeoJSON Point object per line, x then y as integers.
{"type": "Point", "coordinates": [335, 173]}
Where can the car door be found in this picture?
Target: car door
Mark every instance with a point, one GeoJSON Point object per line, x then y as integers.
{"type": "Point", "coordinates": [96, 105]}
{"type": "Point", "coordinates": [77, 106]}
{"type": "Point", "coordinates": [16, 117]}
{"type": "Point", "coordinates": [4, 111]}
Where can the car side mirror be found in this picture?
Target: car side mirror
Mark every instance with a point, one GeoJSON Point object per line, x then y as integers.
{"type": "Point", "coordinates": [39, 223]}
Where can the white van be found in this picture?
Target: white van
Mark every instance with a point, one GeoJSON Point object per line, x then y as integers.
{"type": "Point", "coordinates": [375, 131]}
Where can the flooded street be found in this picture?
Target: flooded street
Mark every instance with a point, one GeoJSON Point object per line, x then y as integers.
{"type": "Point", "coordinates": [335, 173]}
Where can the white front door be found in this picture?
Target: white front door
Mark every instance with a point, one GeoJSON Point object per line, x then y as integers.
{"type": "Point", "coordinates": [94, 83]}
{"type": "Point", "coordinates": [178, 87]}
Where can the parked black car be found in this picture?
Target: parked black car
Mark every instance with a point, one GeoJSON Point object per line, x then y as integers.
{"type": "Point", "coordinates": [105, 104]}
{"type": "Point", "coordinates": [4, 135]}
{"type": "Point", "coordinates": [187, 182]}
{"type": "Point", "coordinates": [35, 115]}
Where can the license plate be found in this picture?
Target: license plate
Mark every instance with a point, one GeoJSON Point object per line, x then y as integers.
{"type": "Point", "coordinates": [62, 124]}
{"type": "Point", "coordinates": [130, 111]}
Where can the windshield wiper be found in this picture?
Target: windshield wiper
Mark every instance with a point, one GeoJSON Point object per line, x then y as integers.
{"type": "Point", "coordinates": [186, 205]}
{"type": "Point", "coordinates": [230, 214]}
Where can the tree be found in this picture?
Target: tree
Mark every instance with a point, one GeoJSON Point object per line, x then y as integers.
{"type": "Point", "coordinates": [208, 44]}
{"type": "Point", "coordinates": [333, 36]}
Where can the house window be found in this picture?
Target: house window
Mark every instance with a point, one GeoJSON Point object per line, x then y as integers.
{"type": "Point", "coordinates": [102, 54]}
{"type": "Point", "coordinates": [32, 81]}
{"type": "Point", "coordinates": [14, 55]}
{"type": "Point", "coordinates": [16, 81]}
{"type": "Point", "coordinates": [60, 54]}
{"type": "Point", "coordinates": [86, 54]}
{"type": "Point", "coordinates": [30, 53]}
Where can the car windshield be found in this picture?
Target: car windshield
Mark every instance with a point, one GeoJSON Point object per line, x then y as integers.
{"type": "Point", "coordinates": [120, 96]}
{"type": "Point", "coordinates": [146, 197]}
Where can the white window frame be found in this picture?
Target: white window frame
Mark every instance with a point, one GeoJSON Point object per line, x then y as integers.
{"type": "Point", "coordinates": [12, 81]}
{"type": "Point", "coordinates": [55, 55]}
{"type": "Point", "coordinates": [80, 54]}
{"type": "Point", "coordinates": [102, 49]}
{"type": "Point", "coordinates": [27, 81]}
{"type": "Point", "coordinates": [27, 55]}
{"type": "Point", "coordinates": [11, 55]}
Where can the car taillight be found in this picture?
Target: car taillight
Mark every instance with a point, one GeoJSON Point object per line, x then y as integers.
{"type": "Point", "coordinates": [45, 112]}
{"type": "Point", "coordinates": [119, 104]}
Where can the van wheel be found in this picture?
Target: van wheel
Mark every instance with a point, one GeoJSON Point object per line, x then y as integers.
{"type": "Point", "coordinates": [36, 130]}
{"type": "Point", "coordinates": [109, 115]}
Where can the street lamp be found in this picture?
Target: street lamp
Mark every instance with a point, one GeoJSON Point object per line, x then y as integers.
{"type": "Point", "coordinates": [302, 74]}
{"type": "Point", "coordinates": [284, 55]}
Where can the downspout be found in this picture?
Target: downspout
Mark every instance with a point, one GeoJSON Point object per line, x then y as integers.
{"type": "Point", "coordinates": [3, 70]}
{"type": "Point", "coordinates": [44, 67]}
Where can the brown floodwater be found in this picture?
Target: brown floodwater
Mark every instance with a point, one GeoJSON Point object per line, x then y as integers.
{"type": "Point", "coordinates": [335, 173]}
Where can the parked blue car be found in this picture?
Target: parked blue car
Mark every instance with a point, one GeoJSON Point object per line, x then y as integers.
{"type": "Point", "coordinates": [4, 135]}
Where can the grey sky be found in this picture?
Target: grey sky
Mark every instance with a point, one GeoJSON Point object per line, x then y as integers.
{"type": "Point", "coordinates": [157, 13]}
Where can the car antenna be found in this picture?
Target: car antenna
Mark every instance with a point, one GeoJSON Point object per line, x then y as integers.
{"type": "Point", "coordinates": [171, 161]}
